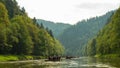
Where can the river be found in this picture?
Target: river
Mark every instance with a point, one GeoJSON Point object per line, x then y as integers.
{"type": "Point", "coordinates": [83, 62]}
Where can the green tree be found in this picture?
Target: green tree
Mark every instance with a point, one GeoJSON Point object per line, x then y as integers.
{"type": "Point", "coordinates": [108, 39]}
{"type": "Point", "coordinates": [3, 14]}
{"type": "Point", "coordinates": [91, 48]}
{"type": "Point", "coordinates": [20, 36]}
{"type": "Point", "coordinates": [25, 43]}
{"type": "Point", "coordinates": [4, 22]}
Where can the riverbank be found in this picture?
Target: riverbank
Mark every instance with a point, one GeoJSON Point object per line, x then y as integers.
{"type": "Point", "coordinates": [108, 56]}
{"type": "Point", "coordinates": [19, 57]}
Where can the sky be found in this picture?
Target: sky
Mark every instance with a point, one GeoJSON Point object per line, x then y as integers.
{"type": "Point", "coordinates": [67, 11]}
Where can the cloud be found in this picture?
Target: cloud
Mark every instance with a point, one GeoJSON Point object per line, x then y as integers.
{"type": "Point", "coordinates": [69, 11]}
{"type": "Point", "coordinates": [92, 6]}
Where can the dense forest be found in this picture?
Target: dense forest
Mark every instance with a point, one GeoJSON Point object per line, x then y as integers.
{"type": "Point", "coordinates": [75, 37]}
{"type": "Point", "coordinates": [107, 42]}
{"type": "Point", "coordinates": [21, 35]}
{"type": "Point", "coordinates": [57, 28]}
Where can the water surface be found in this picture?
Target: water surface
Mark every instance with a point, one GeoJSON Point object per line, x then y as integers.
{"type": "Point", "coordinates": [83, 62]}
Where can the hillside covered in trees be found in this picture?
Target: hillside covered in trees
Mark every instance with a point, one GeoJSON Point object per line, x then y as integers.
{"type": "Point", "coordinates": [57, 28]}
{"type": "Point", "coordinates": [75, 37]}
{"type": "Point", "coordinates": [20, 35]}
{"type": "Point", "coordinates": [107, 41]}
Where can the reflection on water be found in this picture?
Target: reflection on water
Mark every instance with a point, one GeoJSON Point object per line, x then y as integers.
{"type": "Point", "coordinates": [83, 62]}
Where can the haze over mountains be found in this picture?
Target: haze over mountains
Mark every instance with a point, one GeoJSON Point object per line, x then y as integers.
{"type": "Point", "coordinates": [57, 28]}
{"type": "Point", "coordinates": [21, 36]}
{"type": "Point", "coordinates": [75, 37]}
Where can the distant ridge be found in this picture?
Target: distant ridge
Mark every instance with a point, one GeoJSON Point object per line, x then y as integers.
{"type": "Point", "coordinates": [57, 28]}
{"type": "Point", "coordinates": [75, 37]}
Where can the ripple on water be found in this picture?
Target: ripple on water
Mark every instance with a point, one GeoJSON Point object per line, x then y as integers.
{"type": "Point", "coordinates": [73, 64]}
{"type": "Point", "coordinates": [65, 63]}
{"type": "Point", "coordinates": [98, 65]}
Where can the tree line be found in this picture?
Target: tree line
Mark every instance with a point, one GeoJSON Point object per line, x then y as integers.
{"type": "Point", "coordinates": [21, 35]}
{"type": "Point", "coordinates": [76, 37]}
{"type": "Point", "coordinates": [107, 42]}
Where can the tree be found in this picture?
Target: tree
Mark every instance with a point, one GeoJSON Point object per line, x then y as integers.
{"type": "Point", "coordinates": [23, 10]}
{"type": "Point", "coordinates": [12, 7]}
{"type": "Point", "coordinates": [3, 15]}
{"type": "Point", "coordinates": [20, 36]}
{"type": "Point", "coordinates": [34, 20]}
{"type": "Point", "coordinates": [4, 21]}
{"type": "Point", "coordinates": [91, 48]}
{"type": "Point", "coordinates": [25, 43]}
{"type": "Point", "coordinates": [51, 33]}
{"type": "Point", "coordinates": [108, 39]}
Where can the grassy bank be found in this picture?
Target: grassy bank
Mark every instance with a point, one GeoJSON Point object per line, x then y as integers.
{"type": "Point", "coordinates": [19, 57]}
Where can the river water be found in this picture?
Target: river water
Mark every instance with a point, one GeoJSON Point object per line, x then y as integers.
{"type": "Point", "coordinates": [83, 62]}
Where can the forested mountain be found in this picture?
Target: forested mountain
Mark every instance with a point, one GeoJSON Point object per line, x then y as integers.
{"type": "Point", "coordinates": [57, 28]}
{"type": "Point", "coordinates": [107, 41]}
{"type": "Point", "coordinates": [76, 37]}
{"type": "Point", "coordinates": [20, 35]}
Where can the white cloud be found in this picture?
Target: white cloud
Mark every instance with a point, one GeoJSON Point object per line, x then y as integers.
{"type": "Point", "coordinates": [90, 6]}
{"type": "Point", "coordinates": [68, 11]}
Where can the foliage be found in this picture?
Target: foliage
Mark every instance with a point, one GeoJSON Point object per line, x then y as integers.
{"type": "Point", "coordinates": [108, 40]}
{"type": "Point", "coordinates": [12, 8]}
{"type": "Point", "coordinates": [91, 48]}
{"type": "Point", "coordinates": [3, 14]}
{"type": "Point", "coordinates": [76, 37]}
{"type": "Point", "coordinates": [20, 35]}
{"type": "Point", "coordinates": [57, 28]}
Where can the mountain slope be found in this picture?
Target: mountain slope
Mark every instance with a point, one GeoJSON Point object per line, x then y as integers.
{"type": "Point", "coordinates": [57, 28]}
{"type": "Point", "coordinates": [75, 37]}
{"type": "Point", "coordinates": [108, 39]}
{"type": "Point", "coordinates": [20, 35]}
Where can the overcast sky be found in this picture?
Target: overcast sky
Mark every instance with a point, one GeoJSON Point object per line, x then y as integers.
{"type": "Point", "coordinates": [67, 11]}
